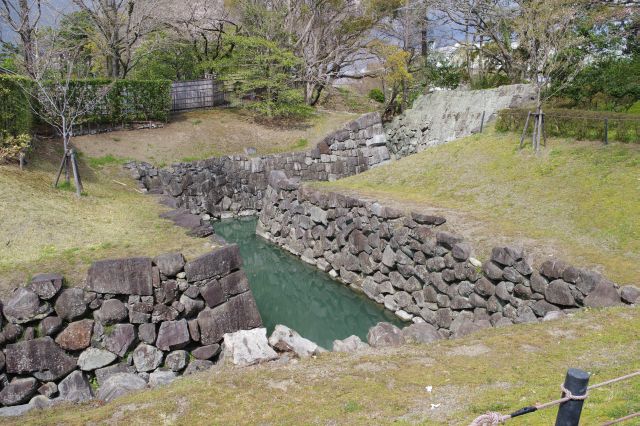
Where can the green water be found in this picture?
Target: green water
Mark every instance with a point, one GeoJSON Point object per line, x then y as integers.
{"type": "Point", "coordinates": [298, 295]}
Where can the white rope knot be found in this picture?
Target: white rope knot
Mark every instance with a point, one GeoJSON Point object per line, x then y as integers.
{"type": "Point", "coordinates": [489, 419]}
{"type": "Point", "coordinates": [570, 396]}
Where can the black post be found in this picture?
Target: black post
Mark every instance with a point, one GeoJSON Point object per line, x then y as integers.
{"type": "Point", "coordinates": [569, 412]}
{"type": "Point", "coordinates": [482, 122]}
{"type": "Point", "coordinates": [606, 131]}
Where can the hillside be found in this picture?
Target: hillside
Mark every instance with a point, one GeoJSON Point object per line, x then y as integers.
{"type": "Point", "coordinates": [577, 200]}
{"type": "Point", "coordinates": [44, 229]}
{"type": "Point", "coordinates": [496, 369]}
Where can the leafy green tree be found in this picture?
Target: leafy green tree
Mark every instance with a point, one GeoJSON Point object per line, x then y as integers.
{"type": "Point", "coordinates": [260, 70]}
{"type": "Point", "coordinates": [166, 57]}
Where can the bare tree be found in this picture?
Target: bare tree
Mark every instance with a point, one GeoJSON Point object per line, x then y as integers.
{"type": "Point", "coordinates": [484, 29]}
{"type": "Point", "coordinates": [121, 25]}
{"type": "Point", "coordinates": [203, 23]}
{"type": "Point", "coordinates": [23, 17]}
{"type": "Point", "coordinates": [60, 98]}
{"type": "Point", "coordinates": [331, 36]}
{"type": "Point", "coordinates": [546, 30]}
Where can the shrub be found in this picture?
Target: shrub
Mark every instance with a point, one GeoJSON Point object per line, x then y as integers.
{"type": "Point", "coordinates": [377, 95]}
{"type": "Point", "coordinates": [15, 112]}
{"type": "Point", "coordinates": [130, 100]}
{"type": "Point", "coordinates": [578, 124]}
{"type": "Point", "coordinates": [12, 146]}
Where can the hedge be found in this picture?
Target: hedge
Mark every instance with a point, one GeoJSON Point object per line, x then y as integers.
{"type": "Point", "coordinates": [15, 113]}
{"type": "Point", "coordinates": [130, 100]}
{"type": "Point", "coordinates": [579, 124]}
{"type": "Point", "coordinates": [126, 102]}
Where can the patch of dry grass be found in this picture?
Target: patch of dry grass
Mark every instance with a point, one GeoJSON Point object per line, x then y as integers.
{"type": "Point", "coordinates": [202, 134]}
{"type": "Point", "coordinates": [517, 366]}
{"type": "Point", "coordinates": [577, 200]}
{"type": "Point", "coordinates": [43, 229]}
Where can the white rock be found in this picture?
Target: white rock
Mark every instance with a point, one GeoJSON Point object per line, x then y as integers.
{"type": "Point", "coordinates": [350, 344]}
{"type": "Point", "coordinates": [404, 315]}
{"type": "Point", "coordinates": [287, 340]}
{"type": "Point", "coordinates": [475, 262]}
{"type": "Point", "coordinates": [248, 347]}
{"type": "Point", "coordinates": [93, 358]}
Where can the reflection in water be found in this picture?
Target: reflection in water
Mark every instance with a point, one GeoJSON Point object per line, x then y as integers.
{"type": "Point", "coordinates": [298, 295]}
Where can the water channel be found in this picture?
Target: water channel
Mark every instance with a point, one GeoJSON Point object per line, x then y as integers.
{"type": "Point", "coordinates": [290, 292]}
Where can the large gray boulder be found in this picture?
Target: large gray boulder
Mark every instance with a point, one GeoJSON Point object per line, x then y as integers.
{"type": "Point", "coordinates": [285, 339]}
{"type": "Point", "coordinates": [102, 374]}
{"type": "Point", "coordinates": [239, 313]}
{"type": "Point", "coordinates": [75, 388]}
{"type": "Point", "coordinates": [384, 334]}
{"type": "Point", "coordinates": [119, 338]}
{"type": "Point", "coordinates": [630, 294]}
{"type": "Point", "coordinates": [248, 347]}
{"type": "Point", "coordinates": [177, 360]}
{"type": "Point", "coordinates": [18, 391]}
{"type": "Point", "coordinates": [161, 378]}
{"type": "Point", "coordinates": [111, 311]}
{"type": "Point", "coordinates": [40, 357]}
{"type": "Point", "coordinates": [350, 344]}
{"type": "Point", "coordinates": [120, 384]}
{"type": "Point", "coordinates": [218, 263]}
{"type": "Point", "coordinates": [94, 358]}
{"type": "Point", "coordinates": [421, 333]}
{"type": "Point", "coordinates": [121, 276]}
{"type": "Point", "coordinates": [71, 304]}
{"type": "Point", "coordinates": [147, 357]}
{"type": "Point", "coordinates": [46, 286]}
{"type": "Point", "coordinates": [604, 295]}
{"type": "Point", "coordinates": [173, 335]}
{"type": "Point", "coordinates": [170, 264]}
{"type": "Point", "coordinates": [558, 292]}
{"type": "Point", "coordinates": [24, 306]}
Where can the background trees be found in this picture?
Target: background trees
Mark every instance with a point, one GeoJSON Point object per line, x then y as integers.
{"type": "Point", "coordinates": [406, 47]}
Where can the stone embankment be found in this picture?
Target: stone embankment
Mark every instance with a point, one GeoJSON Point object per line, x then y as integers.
{"type": "Point", "coordinates": [138, 321]}
{"type": "Point", "coordinates": [235, 185]}
{"type": "Point", "coordinates": [441, 117]}
{"type": "Point", "coordinates": [420, 272]}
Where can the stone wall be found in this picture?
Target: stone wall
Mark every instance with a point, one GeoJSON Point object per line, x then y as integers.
{"type": "Point", "coordinates": [137, 320]}
{"type": "Point", "coordinates": [233, 185]}
{"type": "Point", "coordinates": [420, 272]}
{"type": "Point", "coordinates": [441, 117]}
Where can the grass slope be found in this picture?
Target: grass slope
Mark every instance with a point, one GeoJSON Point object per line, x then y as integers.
{"type": "Point", "coordinates": [577, 200]}
{"type": "Point", "coordinates": [49, 230]}
{"type": "Point", "coordinates": [496, 369]}
{"type": "Point", "coordinates": [209, 133]}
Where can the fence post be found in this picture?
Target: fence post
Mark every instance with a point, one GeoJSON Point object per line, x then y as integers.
{"type": "Point", "coordinates": [606, 131]}
{"type": "Point", "coordinates": [569, 412]}
{"type": "Point", "coordinates": [482, 122]}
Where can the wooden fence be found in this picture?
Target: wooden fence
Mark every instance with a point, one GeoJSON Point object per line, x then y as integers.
{"type": "Point", "coordinates": [195, 94]}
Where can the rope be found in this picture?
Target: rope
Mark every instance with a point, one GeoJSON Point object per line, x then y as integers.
{"type": "Point", "coordinates": [622, 419]}
{"type": "Point", "coordinates": [493, 418]}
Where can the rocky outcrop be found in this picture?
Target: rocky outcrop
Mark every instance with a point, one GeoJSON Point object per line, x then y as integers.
{"type": "Point", "coordinates": [411, 266]}
{"type": "Point", "coordinates": [440, 117]}
{"type": "Point", "coordinates": [137, 319]}
{"type": "Point", "coordinates": [235, 185]}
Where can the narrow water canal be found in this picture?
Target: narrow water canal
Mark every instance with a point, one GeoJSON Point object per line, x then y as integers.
{"type": "Point", "coordinates": [298, 295]}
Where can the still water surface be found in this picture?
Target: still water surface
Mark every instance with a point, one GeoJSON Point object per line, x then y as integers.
{"type": "Point", "coordinates": [298, 295]}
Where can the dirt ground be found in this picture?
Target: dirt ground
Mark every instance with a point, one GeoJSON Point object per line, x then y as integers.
{"type": "Point", "coordinates": [202, 134]}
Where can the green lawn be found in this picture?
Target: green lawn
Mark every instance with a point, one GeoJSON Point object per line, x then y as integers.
{"type": "Point", "coordinates": [496, 369]}
{"type": "Point", "coordinates": [43, 229]}
{"type": "Point", "coordinates": [577, 200]}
